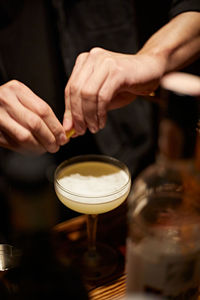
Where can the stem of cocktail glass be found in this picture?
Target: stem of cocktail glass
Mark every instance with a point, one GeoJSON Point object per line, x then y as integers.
{"type": "Point", "coordinates": [91, 232]}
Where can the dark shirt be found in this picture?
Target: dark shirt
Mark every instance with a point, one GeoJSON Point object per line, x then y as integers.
{"type": "Point", "coordinates": [40, 40]}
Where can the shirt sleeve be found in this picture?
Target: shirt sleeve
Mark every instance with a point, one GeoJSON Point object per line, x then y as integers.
{"type": "Point", "coordinates": [180, 6]}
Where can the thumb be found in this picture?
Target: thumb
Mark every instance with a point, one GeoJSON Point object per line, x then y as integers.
{"type": "Point", "coordinates": [67, 120]}
{"type": "Point", "coordinates": [67, 124]}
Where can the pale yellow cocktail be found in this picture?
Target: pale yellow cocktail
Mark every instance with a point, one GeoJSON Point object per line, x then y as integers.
{"type": "Point", "coordinates": [92, 187]}
{"type": "Point", "coordinates": [93, 184]}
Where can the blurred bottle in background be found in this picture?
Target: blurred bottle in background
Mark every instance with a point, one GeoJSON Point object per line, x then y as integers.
{"type": "Point", "coordinates": [163, 243]}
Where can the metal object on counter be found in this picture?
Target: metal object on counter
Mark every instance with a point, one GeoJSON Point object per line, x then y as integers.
{"type": "Point", "coordinates": [9, 257]}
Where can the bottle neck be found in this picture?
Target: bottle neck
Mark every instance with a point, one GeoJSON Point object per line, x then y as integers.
{"type": "Point", "coordinates": [170, 141]}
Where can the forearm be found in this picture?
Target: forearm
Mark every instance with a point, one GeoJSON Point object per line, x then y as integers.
{"type": "Point", "coordinates": [177, 44]}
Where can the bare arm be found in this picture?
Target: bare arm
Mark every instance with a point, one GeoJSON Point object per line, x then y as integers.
{"type": "Point", "coordinates": [102, 80]}
{"type": "Point", "coordinates": [177, 43]}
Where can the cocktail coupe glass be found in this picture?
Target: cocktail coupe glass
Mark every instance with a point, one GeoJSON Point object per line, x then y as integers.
{"type": "Point", "coordinates": [92, 185]}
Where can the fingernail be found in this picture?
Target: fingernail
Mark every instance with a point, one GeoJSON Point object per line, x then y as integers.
{"type": "Point", "coordinates": [93, 130]}
{"type": "Point", "coordinates": [62, 139]}
{"type": "Point", "coordinates": [67, 123]}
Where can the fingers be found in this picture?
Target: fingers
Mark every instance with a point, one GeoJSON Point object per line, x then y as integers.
{"type": "Point", "coordinates": [9, 143]}
{"type": "Point", "coordinates": [27, 122]}
{"type": "Point", "coordinates": [44, 116]}
{"type": "Point", "coordinates": [94, 102]}
{"type": "Point", "coordinates": [103, 80]}
{"type": "Point", "coordinates": [30, 123]}
{"type": "Point", "coordinates": [73, 100]}
{"type": "Point", "coordinates": [13, 136]}
{"type": "Point", "coordinates": [91, 86]}
{"type": "Point", "coordinates": [107, 92]}
{"type": "Point", "coordinates": [67, 118]}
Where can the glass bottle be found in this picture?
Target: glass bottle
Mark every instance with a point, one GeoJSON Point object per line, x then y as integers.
{"type": "Point", "coordinates": [163, 242]}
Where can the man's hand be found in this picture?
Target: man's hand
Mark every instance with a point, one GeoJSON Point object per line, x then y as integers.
{"type": "Point", "coordinates": [27, 123]}
{"type": "Point", "coordinates": [102, 80]}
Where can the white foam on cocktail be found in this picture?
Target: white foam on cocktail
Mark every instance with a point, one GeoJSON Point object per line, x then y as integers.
{"type": "Point", "coordinates": [92, 186]}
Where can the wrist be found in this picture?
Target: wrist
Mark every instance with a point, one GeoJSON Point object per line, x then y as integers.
{"type": "Point", "coordinates": [158, 58]}
{"type": "Point", "coordinates": [149, 69]}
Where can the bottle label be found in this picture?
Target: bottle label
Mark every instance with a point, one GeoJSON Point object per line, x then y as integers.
{"type": "Point", "coordinates": [167, 273]}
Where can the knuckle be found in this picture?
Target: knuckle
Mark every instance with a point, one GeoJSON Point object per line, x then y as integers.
{"type": "Point", "coordinates": [87, 94]}
{"type": "Point", "coordinates": [103, 98]}
{"type": "Point", "coordinates": [10, 88]}
{"type": "Point", "coordinates": [73, 89]}
{"type": "Point", "coordinates": [56, 130]}
{"type": "Point", "coordinates": [96, 50]}
{"type": "Point", "coordinates": [81, 57]}
{"type": "Point", "coordinates": [43, 109]}
{"type": "Point", "coordinates": [35, 123]}
{"type": "Point", "coordinates": [15, 84]}
{"type": "Point", "coordinates": [78, 117]}
{"type": "Point", "coordinates": [23, 137]}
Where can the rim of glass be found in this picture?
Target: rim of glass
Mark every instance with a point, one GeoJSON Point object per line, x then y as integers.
{"type": "Point", "coordinates": [96, 158]}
